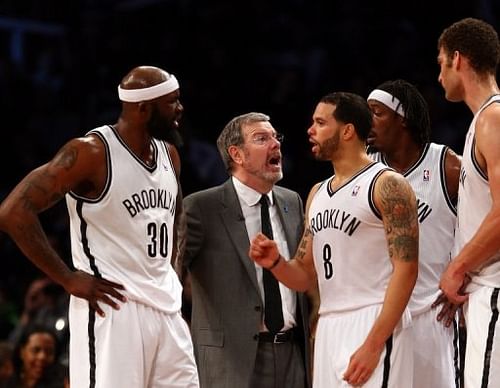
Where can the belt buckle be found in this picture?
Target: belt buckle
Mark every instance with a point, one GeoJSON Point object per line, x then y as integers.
{"type": "Point", "coordinates": [277, 338]}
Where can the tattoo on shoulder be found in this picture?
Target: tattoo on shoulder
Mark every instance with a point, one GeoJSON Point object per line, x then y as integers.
{"type": "Point", "coordinates": [66, 157]}
{"type": "Point", "coordinates": [400, 218]}
{"type": "Point", "coordinates": [38, 192]}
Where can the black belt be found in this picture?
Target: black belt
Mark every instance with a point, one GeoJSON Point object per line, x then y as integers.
{"type": "Point", "coordinates": [278, 338]}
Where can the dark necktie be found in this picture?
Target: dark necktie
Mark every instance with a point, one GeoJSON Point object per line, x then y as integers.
{"type": "Point", "coordinates": [273, 314]}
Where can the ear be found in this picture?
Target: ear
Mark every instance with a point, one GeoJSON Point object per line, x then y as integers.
{"type": "Point", "coordinates": [348, 131]}
{"type": "Point", "coordinates": [456, 60]}
{"type": "Point", "coordinates": [236, 153]}
{"type": "Point", "coordinates": [144, 109]}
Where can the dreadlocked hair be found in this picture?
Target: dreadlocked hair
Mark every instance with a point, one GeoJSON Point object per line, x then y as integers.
{"type": "Point", "coordinates": [415, 107]}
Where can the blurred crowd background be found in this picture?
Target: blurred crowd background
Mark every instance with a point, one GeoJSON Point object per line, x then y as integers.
{"type": "Point", "coordinates": [61, 61]}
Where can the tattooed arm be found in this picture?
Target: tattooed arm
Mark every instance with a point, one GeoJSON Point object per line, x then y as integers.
{"type": "Point", "coordinates": [396, 202]}
{"type": "Point", "coordinates": [79, 166]}
{"type": "Point", "coordinates": [298, 273]}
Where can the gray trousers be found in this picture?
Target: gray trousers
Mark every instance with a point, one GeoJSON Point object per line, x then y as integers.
{"type": "Point", "coordinates": [279, 366]}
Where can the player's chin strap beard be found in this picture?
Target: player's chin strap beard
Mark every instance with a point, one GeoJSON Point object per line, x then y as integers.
{"type": "Point", "coordinates": [174, 137]}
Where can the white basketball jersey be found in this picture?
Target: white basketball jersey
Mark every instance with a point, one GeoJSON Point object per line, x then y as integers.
{"type": "Point", "coordinates": [349, 244]}
{"type": "Point", "coordinates": [474, 202]}
{"type": "Point", "coordinates": [436, 218]}
{"type": "Point", "coordinates": [126, 234]}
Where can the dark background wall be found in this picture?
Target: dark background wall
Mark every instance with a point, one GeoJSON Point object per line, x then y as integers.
{"type": "Point", "coordinates": [60, 63]}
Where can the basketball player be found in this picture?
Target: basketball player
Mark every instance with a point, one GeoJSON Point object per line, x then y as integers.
{"type": "Point", "coordinates": [400, 134]}
{"type": "Point", "coordinates": [361, 245]}
{"type": "Point", "coordinates": [469, 53]}
{"type": "Point", "coordinates": [124, 200]}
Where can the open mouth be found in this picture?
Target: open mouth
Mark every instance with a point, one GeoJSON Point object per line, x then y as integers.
{"type": "Point", "coordinates": [275, 161]}
{"type": "Point", "coordinates": [314, 145]}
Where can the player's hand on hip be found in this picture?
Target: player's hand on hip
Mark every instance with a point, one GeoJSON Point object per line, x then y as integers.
{"type": "Point", "coordinates": [94, 290]}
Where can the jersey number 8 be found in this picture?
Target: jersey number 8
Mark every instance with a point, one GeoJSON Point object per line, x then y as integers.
{"type": "Point", "coordinates": [327, 261]}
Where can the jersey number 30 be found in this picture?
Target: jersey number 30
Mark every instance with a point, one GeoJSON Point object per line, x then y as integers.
{"type": "Point", "coordinates": [158, 235]}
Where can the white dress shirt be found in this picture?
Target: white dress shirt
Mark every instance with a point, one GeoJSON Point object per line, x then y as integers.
{"type": "Point", "coordinates": [249, 202]}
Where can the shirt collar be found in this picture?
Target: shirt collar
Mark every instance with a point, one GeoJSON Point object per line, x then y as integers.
{"type": "Point", "coordinates": [248, 195]}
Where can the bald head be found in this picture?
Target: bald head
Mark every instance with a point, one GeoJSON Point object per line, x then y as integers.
{"type": "Point", "coordinates": [144, 77]}
{"type": "Point", "coordinates": [146, 83]}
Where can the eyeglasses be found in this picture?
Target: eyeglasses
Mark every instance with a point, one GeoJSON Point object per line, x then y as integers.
{"type": "Point", "coordinates": [265, 138]}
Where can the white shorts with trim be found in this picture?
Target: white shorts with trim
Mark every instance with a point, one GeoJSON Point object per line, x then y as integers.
{"type": "Point", "coordinates": [482, 352]}
{"type": "Point", "coordinates": [436, 352]}
{"type": "Point", "coordinates": [135, 347]}
{"type": "Point", "coordinates": [339, 336]}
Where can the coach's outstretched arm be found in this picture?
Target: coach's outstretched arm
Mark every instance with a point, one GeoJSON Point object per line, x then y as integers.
{"type": "Point", "coordinates": [298, 273]}
{"type": "Point", "coordinates": [78, 166]}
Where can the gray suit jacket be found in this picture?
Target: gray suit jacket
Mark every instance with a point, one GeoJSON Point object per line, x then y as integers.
{"type": "Point", "coordinates": [226, 304]}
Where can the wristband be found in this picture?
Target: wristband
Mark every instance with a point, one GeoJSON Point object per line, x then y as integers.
{"type": "Point", "coordinates": [275, 263]}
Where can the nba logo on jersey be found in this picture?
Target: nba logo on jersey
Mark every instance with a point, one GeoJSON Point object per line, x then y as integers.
{"type": "Point", "coordinates": [355, 190]}
{"type": "Point", "coordinates": [427, 175]}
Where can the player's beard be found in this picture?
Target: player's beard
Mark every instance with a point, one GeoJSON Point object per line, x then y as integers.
{"type": "Point", "coordinates": [328, 147]}
{"type": "Point", "coordinates": [162, 128]}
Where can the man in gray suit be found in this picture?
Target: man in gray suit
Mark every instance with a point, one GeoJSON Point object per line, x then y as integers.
{"type": "Point", "coordinates": [238, 342]}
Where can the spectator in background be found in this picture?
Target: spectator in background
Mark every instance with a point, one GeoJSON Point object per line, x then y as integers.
{"type": "Point", "coordinates": [35, 360]}
{"type": "Point", "coordinates": [45, 303]}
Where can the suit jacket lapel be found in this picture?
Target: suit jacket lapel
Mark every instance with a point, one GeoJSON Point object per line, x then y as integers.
{"type": "Point", "coordinates": [233, 220]}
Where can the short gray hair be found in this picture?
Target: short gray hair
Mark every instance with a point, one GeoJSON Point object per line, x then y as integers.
{"type": "Point", "coordinates": [232, 134]}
